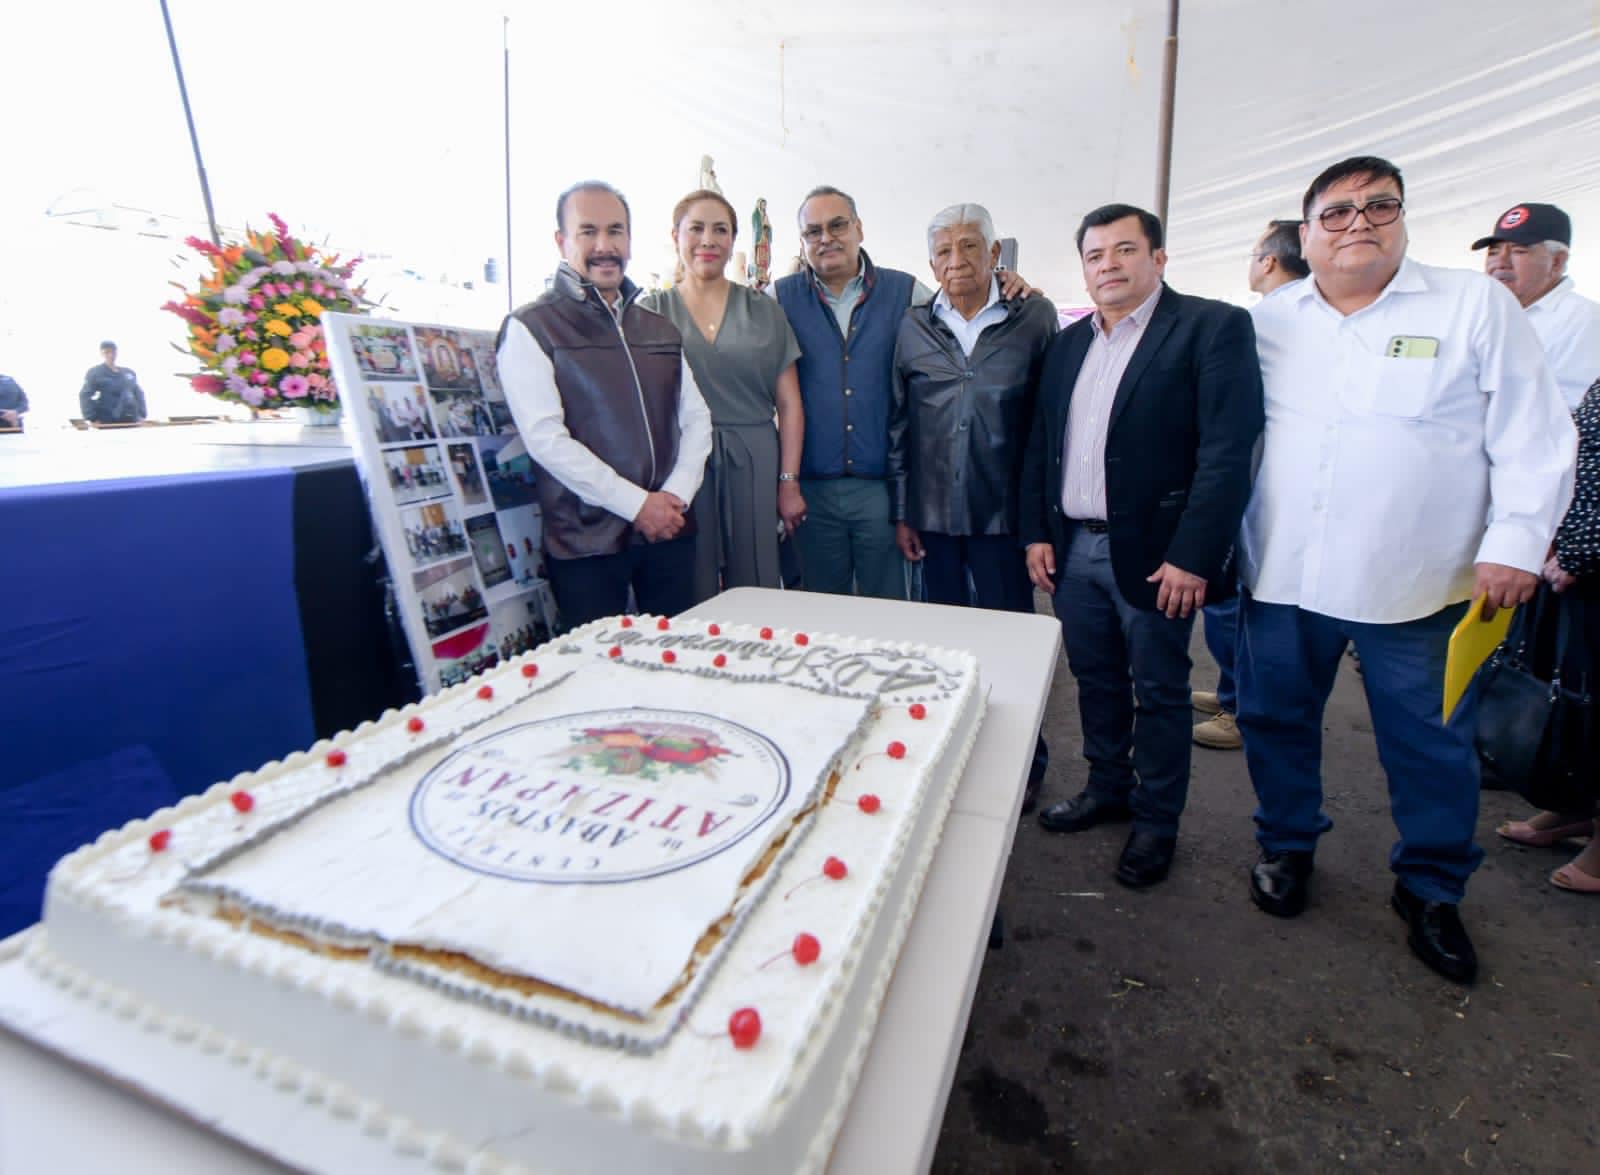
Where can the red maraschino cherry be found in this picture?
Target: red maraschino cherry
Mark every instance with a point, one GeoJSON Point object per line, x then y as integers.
{"type": "Point", "coordinates": [801, 638]}
{"type": "Point", "coordinates": [662, 624]}
{"type": "Point", "coordinates": [766, 634]}
{"type": "Point", "coordinates": [719, 660]}
{"type": "Point", "coordinates": [804, 950]}
{"type": "Point", "coordinates": [744, 1026]}
{"type": "Point", "coordinates": [627, 622]}
{"type": "Point", "coordinates": [869, 803]}
{"type": "Point", "coordinates": [713, 630]}
{"type": "Point", "coordinates": [530, 670]}
{"type": "Point", "coordinates": [896, 750]}
{"type": "Point", "coordinates": [337, 758]}
{"type": "Point", "coordinates": [833, 869]}
{"type": "Point", "coordinates": [486, 692]}
{"type": "Point", "coordinates": [669, 657]}
{"type": "Point", "coordinates": [415, 725]}
{"type": "Point", "coordinates": [918, 711]}
{"type": "Point", "coordinates": [160, 840]}
{"type": "Point", "coordinates": [614, 651]}
{"type": "Point", "coordinates": [242, 801]}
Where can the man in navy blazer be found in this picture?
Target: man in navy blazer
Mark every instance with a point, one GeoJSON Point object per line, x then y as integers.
{"type": "Point", "coordinates": [1133, 486]}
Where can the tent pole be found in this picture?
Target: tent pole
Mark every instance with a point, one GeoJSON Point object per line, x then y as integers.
{"type": "Point", "coordinates": [1169, 92]}
{"type": "Point", "coordinates": [194, 139]}
{"type": "Point", "coordinates": [505, 46]}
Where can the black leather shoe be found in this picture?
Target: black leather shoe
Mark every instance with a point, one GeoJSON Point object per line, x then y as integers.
{"type": "Point", "coordinates": [1280, 883]}
{"type": "Point", "coordinates": [1437, 936]}
{"type": "Point", "coordinates": [1041, 763]}
{"type": "Point", "coordinates": [1084, 810]}
{"type": "Point", "coordinates": [1146, 858]}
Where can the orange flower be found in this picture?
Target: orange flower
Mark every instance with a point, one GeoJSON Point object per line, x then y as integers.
{"type": "Point", "coordinates": [312, 307]}
{"type": "Point", "coordinates": [274, 359]}
{"type": "Point", "coordinates": [286, 309]}
{"type": "Point", "coordinates": [277, 327]}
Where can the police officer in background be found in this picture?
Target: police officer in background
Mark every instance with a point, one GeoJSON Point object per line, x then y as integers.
{"type": "Point", "coordinates": [111, 394]}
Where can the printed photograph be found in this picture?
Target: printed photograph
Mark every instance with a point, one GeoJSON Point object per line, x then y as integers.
{"type": "Point", "coordinates": [383, 352]}
{"type": "Point", "coordinates": [519, 530]}
{"type": "Point", "coordinates": [509, 471]}
{"type": "Point", "coordinates": [461, 414]}
{"type": "Point", "coordinates": [489, 550]}
{"type": "Point", "coordinates": [416, 474]}
{"type": "Point", "coordinates": [447, 361]}
{"type": "Point", "coordinates": [399, 413]}
{"type": "Point", "coordinates": [433, 532]}
{"type": "Point", "coordinates": [488, 364]}
{"type": "Point", "coordinates": [515, 627]}
{"type": "Point", "coordinates": [469, 474]}
{"type": "Point", "coordinates": [450, 597]}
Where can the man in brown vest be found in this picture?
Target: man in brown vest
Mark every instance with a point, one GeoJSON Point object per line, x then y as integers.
{"type": "Point", "coordinates": [610, 414]}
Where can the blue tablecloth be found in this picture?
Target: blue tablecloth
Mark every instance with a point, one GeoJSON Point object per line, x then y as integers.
{"type": "Point", "coordinates": [150, 645]}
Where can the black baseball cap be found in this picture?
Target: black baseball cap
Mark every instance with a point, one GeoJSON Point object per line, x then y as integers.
{"type": "Point", "coordinates": [1529, 224]}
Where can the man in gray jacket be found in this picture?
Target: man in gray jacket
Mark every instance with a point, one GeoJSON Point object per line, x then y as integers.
{"type": "Point", "coordinates": [966, 374]}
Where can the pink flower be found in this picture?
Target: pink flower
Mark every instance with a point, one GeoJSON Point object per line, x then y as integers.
{"type": "Point", "coordinates": [294, 386]}
{"type": "Point", "coordinates": [261, 377]}
{"type": "Point", "coordinates": [257, 302]}
{"type": "Point", "coordinates": [318, 288]}
{"type": "Point", "coordinates": [301, 359]}
{"type": "Point", "coordinates": [208, 385]}
{"type": "Point", "coordinates": [302, 338]}
{"type": "Point", "coordinates": [317, 381]}
{"type": "Point", "coordinates": [246, 358]}
{"type": "Point", "coordinates": [300, 287]}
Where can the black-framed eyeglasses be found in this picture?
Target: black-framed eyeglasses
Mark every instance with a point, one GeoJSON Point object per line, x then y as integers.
{"type": "Point", "coordinates": [1385, 210]}
{"type": "Point", "coordinates": [835, 228]}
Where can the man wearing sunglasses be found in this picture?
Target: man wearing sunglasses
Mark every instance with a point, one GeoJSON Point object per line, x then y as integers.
{"type": "Point", "coordinates": [1417, 454]}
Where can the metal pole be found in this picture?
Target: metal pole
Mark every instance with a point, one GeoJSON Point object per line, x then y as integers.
{"type": "Point", "coordinates": [194, 139]}
{"type": "Point", "coordinates": [1169, 92]}
{"type": "Point", "coordinates": [505, 45]}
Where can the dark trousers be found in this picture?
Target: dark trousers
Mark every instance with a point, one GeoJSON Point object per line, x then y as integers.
{"type": "Point", "coordinates": [1132, 668]}
{"type": "Point", "coordinates": [1287, 662]}
{"type": "Point", "coordinates": [995, 563]}
{"type": "Point", "coordinates": [1221, 626]}
{"type": "Point", "coordinates": [660, 574]}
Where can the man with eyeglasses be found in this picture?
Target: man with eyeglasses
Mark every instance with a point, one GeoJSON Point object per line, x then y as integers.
{"type": "Point", "coordinates": [1406, 405]}
{"type": "Point", "coordinates": [1527, 253]}
{"type": "Point", "coordinates": [845, 311]}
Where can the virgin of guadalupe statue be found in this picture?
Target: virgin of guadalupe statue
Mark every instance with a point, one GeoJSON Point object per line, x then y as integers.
{"type": "Point", "coordinates": [708, 175]}
{"type": "Point", "coordinates": [761, 235]}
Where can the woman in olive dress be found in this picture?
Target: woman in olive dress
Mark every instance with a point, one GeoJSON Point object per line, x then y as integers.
{"type": "Point", "coordinates": [742, 352]}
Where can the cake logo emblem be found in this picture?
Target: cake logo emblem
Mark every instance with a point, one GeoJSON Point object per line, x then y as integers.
{"type": "Point", "coordinates": [645, 749]}
{"type": "Point", "coordinates": [601, 797]}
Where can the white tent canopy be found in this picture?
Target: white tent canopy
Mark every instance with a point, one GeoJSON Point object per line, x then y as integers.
{"type": "Point", "coordinates": [379, 126]}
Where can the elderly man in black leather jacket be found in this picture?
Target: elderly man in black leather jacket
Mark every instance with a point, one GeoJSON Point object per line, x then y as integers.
{"type": "Point", "coordinates": [966, 374]}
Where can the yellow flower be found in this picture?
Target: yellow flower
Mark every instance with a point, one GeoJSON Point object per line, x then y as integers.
{"type": "Point", "coordinates": [278, 327]}
{"type": "Point", "coordinates": [286, 309]}
{"type": "Point", "coordinates": [311, 307]}
{"type": "Point", "coordinates": [275, 358]}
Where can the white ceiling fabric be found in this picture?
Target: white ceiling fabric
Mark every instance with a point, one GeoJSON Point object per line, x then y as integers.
{"type": "Point", "coordinates": [1042, 110]}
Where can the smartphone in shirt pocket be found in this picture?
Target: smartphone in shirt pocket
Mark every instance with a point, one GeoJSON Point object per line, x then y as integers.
{"type": "Point", "coordinates": [1405, 376]}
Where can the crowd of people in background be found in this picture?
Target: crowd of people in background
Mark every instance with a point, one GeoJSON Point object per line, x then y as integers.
{"type": "Point", "coordinates": [1376, 443]}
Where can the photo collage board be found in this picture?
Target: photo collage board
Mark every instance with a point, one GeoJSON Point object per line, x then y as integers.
{"type": "Point", "coordinates": [451, 490]}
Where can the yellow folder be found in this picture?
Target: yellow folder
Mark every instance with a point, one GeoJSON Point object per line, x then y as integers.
{"type": "Point", "coordinates": [1470, 645]}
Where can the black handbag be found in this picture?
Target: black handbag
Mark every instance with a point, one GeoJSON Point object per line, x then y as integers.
{"type": "Point", "coordinates": [1535, 722]}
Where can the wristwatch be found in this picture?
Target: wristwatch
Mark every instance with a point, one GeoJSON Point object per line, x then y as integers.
{"type": "Point", "coordinates": [788, 477]}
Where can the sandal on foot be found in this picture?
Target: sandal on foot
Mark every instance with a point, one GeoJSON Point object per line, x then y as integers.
{"type": "Point", "coordinates": [1570, 877]}
{"type": "Point", "coordinates": [1523, 832]}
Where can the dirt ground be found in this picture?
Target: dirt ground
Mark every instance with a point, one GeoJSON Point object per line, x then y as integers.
{"type": "Point", "coordinates": [1181, 1030]}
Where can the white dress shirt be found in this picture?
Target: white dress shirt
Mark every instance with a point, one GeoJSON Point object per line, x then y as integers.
{"type": "Point", "coordinates": [529, 380]}
{"type": "Point", "coordinates": [1568, 325]}
{"type": "Point", "coordinates": [967, 330]}
{"type": "Point", "coordinates": [1083, 451]}
{"type": "Point", "coordinates": [1383, 480]}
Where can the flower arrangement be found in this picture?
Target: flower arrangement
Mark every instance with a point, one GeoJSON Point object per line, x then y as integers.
{"type": "Point", "coordinates": [255, 319]}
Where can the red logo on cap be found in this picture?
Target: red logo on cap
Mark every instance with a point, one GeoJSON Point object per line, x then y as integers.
{"type": "Point", "coordinates": [1515, 217]}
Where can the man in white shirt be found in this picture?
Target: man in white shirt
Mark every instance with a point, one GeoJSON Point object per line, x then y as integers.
{"type": "Point", "coordinates": [1528, 250]}
{"type": "Point", "coordinates": [609, 411]}
{"type": "Point", "coordinates": [1405, 406]}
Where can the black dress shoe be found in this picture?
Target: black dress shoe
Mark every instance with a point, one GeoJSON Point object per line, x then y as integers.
{"type": "Point", "coordinates": [1280, 883]}
{"type": "Point", "coordinates": [1084, 810]}
{"type": "Point", "coordinates": [1146, 858]}
{"type": "Point", "coordinates": [1437, 936]}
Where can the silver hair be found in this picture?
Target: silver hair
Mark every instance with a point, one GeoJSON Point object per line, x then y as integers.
{"type": "Point", "coordinates": [1558, 248]}
{"type": "Point", "coordinates": [974, 214]}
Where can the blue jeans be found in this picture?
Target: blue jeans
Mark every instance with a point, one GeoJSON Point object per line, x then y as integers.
{"type": "Point", "coordinates": [1132, 667]}
{"type": "Point", "coordinates": [1221, 629]}
{"type": "Point", "coordinates": [1287, 662]}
